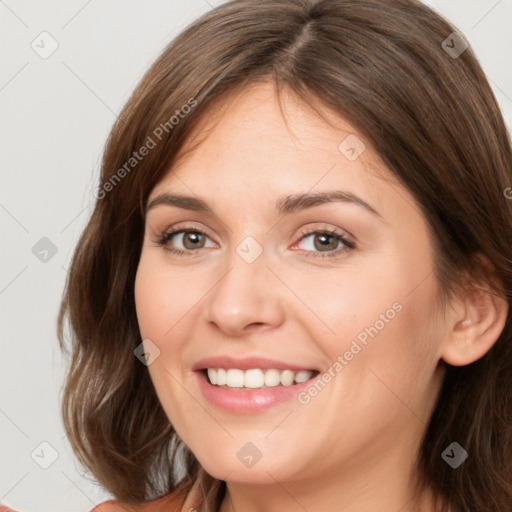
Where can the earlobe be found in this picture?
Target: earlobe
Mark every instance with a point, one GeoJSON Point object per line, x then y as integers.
{"type": "Point", "coordinates": [477, 328]}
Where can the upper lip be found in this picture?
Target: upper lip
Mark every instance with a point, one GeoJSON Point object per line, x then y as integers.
{"type": "Point", "coordinates": [247, 363]}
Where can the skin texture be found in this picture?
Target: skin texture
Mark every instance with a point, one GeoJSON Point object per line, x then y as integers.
{"type": "Point", "coordinates": [352, 447]}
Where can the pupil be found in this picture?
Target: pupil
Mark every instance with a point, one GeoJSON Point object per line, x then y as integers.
{"type": "Point", "coordinates": [189, 236]}
{"type": "Point", "coordinates": [324, 241]}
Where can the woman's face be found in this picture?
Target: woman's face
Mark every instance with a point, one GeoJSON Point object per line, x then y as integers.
{"type": "Point", "coordinates": [272, 279]}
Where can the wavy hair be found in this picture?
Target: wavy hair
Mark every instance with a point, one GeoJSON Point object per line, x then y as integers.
{"type": "Point", "coordinates": [432, 118]}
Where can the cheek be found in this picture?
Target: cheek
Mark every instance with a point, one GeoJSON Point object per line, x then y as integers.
{"type": "Point", "coordinates": [161, 298]}
{"type": "Point", "coordinates": [378, 302]}
{"type": "Point", "coordinates": [343, 301]}
{"type": "Point", "coordinates": [380, 314]}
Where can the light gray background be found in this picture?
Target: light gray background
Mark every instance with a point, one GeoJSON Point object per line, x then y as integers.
{"type": "Point", "coordinates": [56, 115]}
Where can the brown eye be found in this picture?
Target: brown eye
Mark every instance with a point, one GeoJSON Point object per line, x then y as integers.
{"type": "Point", "coordinates": [190, 239]}
{"type": "Point", "coordinates": [193, 240]}
{"type": "Point", "coordinates": [325, 243]}
{"type": "Point", "coordinates": [322, 242]}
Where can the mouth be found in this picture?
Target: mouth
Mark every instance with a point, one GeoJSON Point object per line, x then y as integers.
{"type": "Point", "coordinates": [251, 385]}
{"type": "Point", "coordinates": [256, 378]}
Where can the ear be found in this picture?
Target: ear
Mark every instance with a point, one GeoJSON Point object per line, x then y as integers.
{"type": "Point", "coordinates": [477, 319]}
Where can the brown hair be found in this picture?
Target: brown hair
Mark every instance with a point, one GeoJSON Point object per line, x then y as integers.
{"type": "Point", "coordinates": [433, 120]}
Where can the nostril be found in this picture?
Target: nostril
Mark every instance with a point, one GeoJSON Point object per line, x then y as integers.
{"type": "Point", "coordinates": [255, 324]}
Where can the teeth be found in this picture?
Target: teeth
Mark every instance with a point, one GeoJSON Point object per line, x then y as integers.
{"type": "Point", "coordinates": [302, 376]}
{"type": "Point", "coordinates": [256, 378]}
{"type": "Point", "coordinates": [251, 378]}
{"type": "Point", "coordinates": [221, 377]}
{"type": "Point", "coordinates": [272, 378]}
{"type": "Point", "coordinates": [287, 377]}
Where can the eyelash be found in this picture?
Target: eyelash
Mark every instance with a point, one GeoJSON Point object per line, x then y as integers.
{"type": "Point", "coordinates": [349, 245]}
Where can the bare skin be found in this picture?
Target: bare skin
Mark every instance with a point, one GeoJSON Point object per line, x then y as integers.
{"type": "Point", "coordinates": [352, 446]}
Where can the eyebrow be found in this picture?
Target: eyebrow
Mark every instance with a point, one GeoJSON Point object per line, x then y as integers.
{"type": "Point", "coordinates": [283, 206]}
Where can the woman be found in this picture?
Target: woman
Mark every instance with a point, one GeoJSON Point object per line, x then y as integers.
{"type": "Point", "coordinates": [219, 360]}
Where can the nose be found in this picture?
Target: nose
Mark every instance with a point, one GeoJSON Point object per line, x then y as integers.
{"type": "Point", "coordinates": [247, 296]}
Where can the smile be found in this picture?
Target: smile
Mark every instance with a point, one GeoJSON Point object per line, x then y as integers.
{"type": "Point", "coordinates": [256, 378]}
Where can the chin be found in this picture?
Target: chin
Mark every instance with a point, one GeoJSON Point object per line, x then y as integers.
{"type": "Point", "coordinates": [260, 472]}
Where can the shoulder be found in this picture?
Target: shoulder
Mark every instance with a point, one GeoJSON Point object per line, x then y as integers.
{"type": "Point", "coordinates": [106, 506]}
{"type": "Point", "coordinates": [172, 502]}
{"type": "Point", "coordinates": [4, 508]}
{"type": "Point", "coordinates": [182, 496]}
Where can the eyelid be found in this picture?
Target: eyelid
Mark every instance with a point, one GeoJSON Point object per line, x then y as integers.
{"type": "Point", "coordinates": [303, 232]}
{"type": "Point", "coordinates": [182, 226]}
{"type": "Point", "coordinates": [348, 242]}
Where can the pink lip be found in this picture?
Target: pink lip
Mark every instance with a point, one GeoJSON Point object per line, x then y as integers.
{"type": "Point", "coordinates": [246, 363]}
{"type": "Point", "coordinates": [247, 401]}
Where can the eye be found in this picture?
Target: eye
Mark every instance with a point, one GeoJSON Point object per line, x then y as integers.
{"type": "Point", "coordinates": [330, 242]}
{"type": "Point", "coordinates": [323, 242]}
{"type": "Point", "coordinates": [191, 238]}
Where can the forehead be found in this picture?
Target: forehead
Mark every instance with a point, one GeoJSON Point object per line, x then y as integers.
{"type": "Point", "coordinates": [251, 147]}
{"type": "Point", "coordinates": [258, 118]}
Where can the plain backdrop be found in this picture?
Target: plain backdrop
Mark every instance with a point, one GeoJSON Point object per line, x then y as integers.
{"type": "Point", "coordinates": [57, 111]}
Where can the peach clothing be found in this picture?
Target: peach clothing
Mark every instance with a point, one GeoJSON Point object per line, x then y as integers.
{"type": "Point", "coordinates": [177, 501]}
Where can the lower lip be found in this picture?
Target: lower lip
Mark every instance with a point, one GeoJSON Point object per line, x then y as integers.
{"type": "Point", "coordinates": [249, 400]}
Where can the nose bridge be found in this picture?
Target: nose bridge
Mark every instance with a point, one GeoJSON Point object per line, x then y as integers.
{"type": "Point", "coordinates": [244, 294]}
